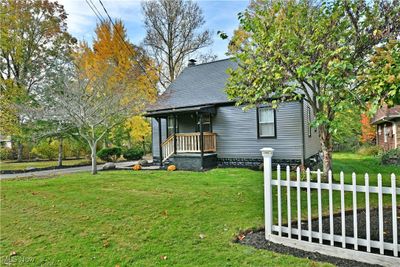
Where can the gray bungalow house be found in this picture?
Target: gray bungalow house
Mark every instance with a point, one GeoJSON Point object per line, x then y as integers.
{"type": "Point", "coordinates": [195, 126]}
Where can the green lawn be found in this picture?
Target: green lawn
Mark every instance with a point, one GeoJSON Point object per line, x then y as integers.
{"type": "Point", "coordinates": [13, 165]}
{"type": "Point", "coordinates": [140, 218]}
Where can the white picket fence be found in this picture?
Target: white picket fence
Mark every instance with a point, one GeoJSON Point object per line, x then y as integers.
{"type": "Point", "coordinates": [320, 241]}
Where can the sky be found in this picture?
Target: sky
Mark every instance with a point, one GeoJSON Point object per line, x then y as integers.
{"type": "Point", "coordinates": [220, 15]}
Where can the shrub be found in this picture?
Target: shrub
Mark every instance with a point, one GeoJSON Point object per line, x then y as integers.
{"type": "Point", "coordinates": [110, 154]}
{"type": "Point", "coordinates": [6, 153]}
{"type": "Point", "coordinates": [46, 150]}
{"type": "Point", "coordinates": [133, 153]}
{"type": "Point", "coordinates": [171, 168]}
{"type": "Point", "coordinates": [391, 156]}
{"type": "Point", "coordinates": [368, 150]}
{"type": "Point", "coordinates": [137, 167]}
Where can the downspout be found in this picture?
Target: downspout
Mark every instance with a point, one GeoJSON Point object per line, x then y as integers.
{"type": "Point", "coordinates": [303, 159]}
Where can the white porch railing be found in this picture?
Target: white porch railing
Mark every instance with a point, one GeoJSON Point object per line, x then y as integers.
{"type": "Point", "coordinates": [189, 143]}
{"type": "Point", "coordinates": [324, 242]}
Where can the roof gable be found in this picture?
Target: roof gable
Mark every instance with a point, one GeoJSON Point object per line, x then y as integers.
{"type": "Point", "coordinates": [197, 85]}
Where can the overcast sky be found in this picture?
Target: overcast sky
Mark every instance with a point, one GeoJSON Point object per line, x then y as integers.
{"type": "Point", "coordinates": [219, 16]}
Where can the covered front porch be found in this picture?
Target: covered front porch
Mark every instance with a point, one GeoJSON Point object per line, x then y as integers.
{"type": "Point", "coordinates": [185, 137]}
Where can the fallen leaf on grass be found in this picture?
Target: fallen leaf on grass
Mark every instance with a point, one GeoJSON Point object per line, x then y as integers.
{"type": "Point", "coordinates": [106, 243]}
{"type": "Point", "coordinates": [163, 257]}
{"type": "Point", "coordinates": [202, 236]}
{"type": "Point", "coordinates": [241, 237]}
{"type": "Point", "coordinates": [164, 212]}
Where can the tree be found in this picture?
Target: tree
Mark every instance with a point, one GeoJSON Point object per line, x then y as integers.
{"type": "Point", "coordinates": [382, 76]}
{"type": "Point", "coordinates": [368, 133]}
{"type": "Point", "coordinates": [104, 86]}
{"type": "Point", "coordinates": [139, 130]}
{"type": "Point", "coordinates": [172, 34]}
{"type": "Point", "coordinates": [311, 50]}
{"type": "Point", "coordinates": [33, 38]}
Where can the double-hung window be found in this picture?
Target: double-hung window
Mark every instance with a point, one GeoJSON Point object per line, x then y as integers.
{"type": "Point", "coordinates": [266, 122]}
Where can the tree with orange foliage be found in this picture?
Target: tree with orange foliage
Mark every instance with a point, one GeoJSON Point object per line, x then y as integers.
{"type": "Point", "coordinates": [368, 133]}
{"type": "Point", "coordinates": [107, 84]}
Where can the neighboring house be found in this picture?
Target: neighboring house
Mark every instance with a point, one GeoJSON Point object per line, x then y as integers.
{"type": "Point", "coordinates": [5, 141]}
{"type": "Point", "coordinates": [387, 121]}
{"type": "Point", "coordinates": [196, 127]}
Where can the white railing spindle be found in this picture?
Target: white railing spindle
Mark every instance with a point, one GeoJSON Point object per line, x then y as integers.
{"type": "Point", "coordinates": [279, 199]}
{"type": "Point", "coordinates": [309, 205]}
{"type": "Point", "coordinates": [380, 212]}
{"type": "Point", "coordinates": [394, 215]}
{"type": "Point", "coordinates": [342, 209]}
{"type": "Point", "coordinates": [319, 206]}
{"type": "Point", "coordinates": [331, 229]}
{"type": "Point", "coordinates": [367, 213]}
{"type": "Point", "coordinates": [289, 206]}
{"type": "Point", "coordinates": [298, 204]}
{"type": "Point", "coordinates": [355, 227]}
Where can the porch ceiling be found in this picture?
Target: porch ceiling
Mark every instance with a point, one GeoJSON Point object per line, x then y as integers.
{"type": "Point", "coordinates": [165, 112]}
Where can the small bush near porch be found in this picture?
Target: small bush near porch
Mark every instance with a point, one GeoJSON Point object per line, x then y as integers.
{"type": "Point", "coordinates": [143, 218]}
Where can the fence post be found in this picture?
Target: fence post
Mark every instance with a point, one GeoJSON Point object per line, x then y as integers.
{"type": "Point", "coordinates": [267, 153]}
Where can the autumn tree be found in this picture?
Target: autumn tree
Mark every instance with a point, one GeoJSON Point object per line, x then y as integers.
{"type": "Point", "coordinates": [311, 50]}
{"type": "Point", "coordinates": [173, 32]}
{"type": "Point", "coordinates": [368, 133]}
{"type": "Point", "coordinates": [107, 84]}
{"type": "Point", "coordinates": [33, 38]}
{"type": "Point", "coordinates": [139, 130]}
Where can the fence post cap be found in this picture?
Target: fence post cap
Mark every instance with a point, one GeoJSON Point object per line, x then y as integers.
{"type": "Point", "coordinates": [267, 151]}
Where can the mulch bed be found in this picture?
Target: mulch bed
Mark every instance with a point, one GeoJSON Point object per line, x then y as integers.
{"type": "Point", "coordinates": [257, 238]}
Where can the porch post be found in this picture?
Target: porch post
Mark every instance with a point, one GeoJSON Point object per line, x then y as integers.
{"type": "Point", "coordinates": [201, 139]}
{"type": "Point", "coordinates": [160, 139]}
{"type": "Point", "coordinates": [175, 134]}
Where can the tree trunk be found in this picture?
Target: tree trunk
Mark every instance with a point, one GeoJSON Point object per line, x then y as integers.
{"type": "Point", "coordinates": [60, 152]}
{"type": "Point", "coordinates": [94, 160]}
{"type": "Point", "coordinates": [19, 151]}
{"type": "Point", "coordinates": [327, 148]}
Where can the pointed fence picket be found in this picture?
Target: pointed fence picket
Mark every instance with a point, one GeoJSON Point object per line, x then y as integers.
{"type": "Point", "coordinates": [351, 247]}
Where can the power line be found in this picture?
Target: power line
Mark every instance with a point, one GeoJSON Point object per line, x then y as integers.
{"type": "Point", "coordinates": [120, 36]}
{"type": "Point", "coordinates": [98, 14]}
{"type": "Point", "coordinates": [120, 39]}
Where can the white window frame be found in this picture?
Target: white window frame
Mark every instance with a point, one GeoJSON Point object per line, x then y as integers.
{"type": "Point", "coordinates": [259, 122]}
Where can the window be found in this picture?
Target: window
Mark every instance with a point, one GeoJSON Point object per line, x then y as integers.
{"type": "Point", "coordinates": [266, 122]}
{"type": "Point", "coordinates": [206, 123]}
{"type": "Point", "coordinates": [170, 125]}
{"type": "Point", "coordinates": [309, 120]}
{"type": "Point", "coordinates": [385, 133]}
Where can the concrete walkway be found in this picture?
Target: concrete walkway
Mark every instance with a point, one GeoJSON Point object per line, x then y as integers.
{"type": "Point", "coordinates": [56, 172]}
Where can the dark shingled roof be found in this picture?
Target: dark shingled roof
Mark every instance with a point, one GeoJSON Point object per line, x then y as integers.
{"type": "Point", "coordinates": [197, 85]}
{"type": "Point", "coordinates": [386, 114]}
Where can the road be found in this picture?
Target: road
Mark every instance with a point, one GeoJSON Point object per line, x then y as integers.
{"type": "Point", "coordinates": [56, 172]}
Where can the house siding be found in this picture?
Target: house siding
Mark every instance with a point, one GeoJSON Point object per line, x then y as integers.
{"type": "Point", "coordinates": [311, 143]}
{"type": "Point", "coordinates": [391, 136]}
{"type": "Point", "coordinates": [237, 133]}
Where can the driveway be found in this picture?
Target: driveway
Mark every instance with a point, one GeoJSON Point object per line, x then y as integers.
{"type": "Point", "coordinates": [56, 172]}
